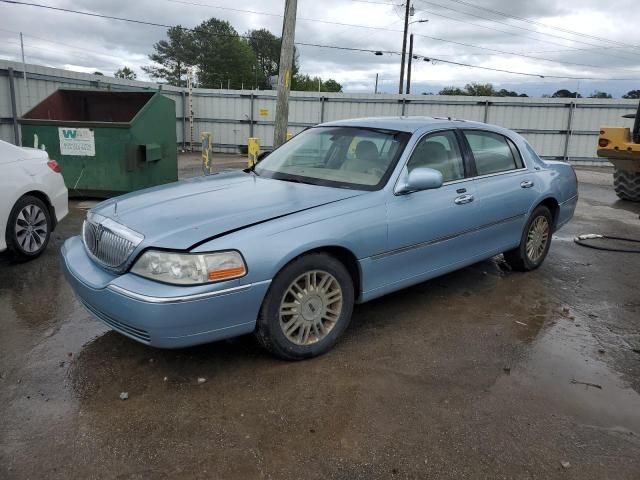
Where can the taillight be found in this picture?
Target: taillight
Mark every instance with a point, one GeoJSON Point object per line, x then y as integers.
{"type": "Point", "coordinates": [603, 142]}
{"type": "Point", "coordinates": [53, 165]}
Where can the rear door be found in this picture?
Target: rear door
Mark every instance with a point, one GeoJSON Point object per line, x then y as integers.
{"type": "Point", "coordinates": [505, 188]}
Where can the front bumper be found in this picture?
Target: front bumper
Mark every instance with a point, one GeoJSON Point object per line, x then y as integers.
{"type": "Point", "coordinates": [161, 315]}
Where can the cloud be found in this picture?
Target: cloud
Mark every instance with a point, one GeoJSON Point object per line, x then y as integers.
{"type": "Point", "coordinates": [88, 43]}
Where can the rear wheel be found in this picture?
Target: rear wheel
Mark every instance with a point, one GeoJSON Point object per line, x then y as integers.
{"type": "Point", "coordinates": [627, 185]}
{"type": "Point", "coordinates": [28, 228]}
{"type": "Point", "coordinates": [307, 308]}
{"type": "Point", "coordinates": [535, 242]}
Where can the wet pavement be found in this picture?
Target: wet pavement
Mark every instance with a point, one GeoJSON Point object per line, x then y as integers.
{"type": "Point", "coordinates": [480, 373]}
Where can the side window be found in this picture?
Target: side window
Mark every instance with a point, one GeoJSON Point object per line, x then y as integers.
{"type": "Point", "coordinates": [492, 152]}
{"type": "Point", "coordinates": [441, 152]}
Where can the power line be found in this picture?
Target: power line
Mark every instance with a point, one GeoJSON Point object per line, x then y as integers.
{"type": "Point", "coordinates": [504, 52]}
{"type": "Point", "coordinates": [467, 22]}
{"type": "Point", "coordinates": [57, 42]}
{"type": "Point", "coordinates": [66, 10]}
{"type": "Point", "coordinates": [533, 22]}
{"type": "Point", "coordinates": [567, 48]}
{"type": "Point", "coordinates": [232, 9]}
{"type": "Point", "coordinates": [379, 3]}
{"type": "Point", "coordinates": [398, 31]}
{"type": "Point", "coordinates": [327, 46]}
{"type": "Point", "coordinates": [592, 45]}
{"type": "Point", "coordinates": [474, 15]}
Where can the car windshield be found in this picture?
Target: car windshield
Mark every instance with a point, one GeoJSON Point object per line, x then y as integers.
{"type": "Point", "coordinates": [347, 157]}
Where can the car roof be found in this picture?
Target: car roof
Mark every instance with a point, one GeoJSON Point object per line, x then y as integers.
{"type": "Point", "coordinates": [410, 124]}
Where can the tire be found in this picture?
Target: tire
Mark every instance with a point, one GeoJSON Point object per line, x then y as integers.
{"type": "Point", "coordinates": [627, 185]}
{"type": "Point", "coordinates": [314, 317]}
{"type": "Point", "coordinates": [28, 228]}
{"type": "Point", "coordinates": [538, 227]}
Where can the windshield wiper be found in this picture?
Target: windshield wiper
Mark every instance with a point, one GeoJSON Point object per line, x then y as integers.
{"type": "Point", "coordinates": [296, 180]}
{"type": "Point", "coordinates": [252, 169]}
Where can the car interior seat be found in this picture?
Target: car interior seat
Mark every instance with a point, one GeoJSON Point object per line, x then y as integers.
{"type": "Point", "coordinates": [434, 155]}
{"type": "Point", "coordinates": [366, 158]}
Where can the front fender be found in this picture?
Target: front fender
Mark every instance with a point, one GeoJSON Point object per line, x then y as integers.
{"type": "Point", "coordinates": [355, 225]}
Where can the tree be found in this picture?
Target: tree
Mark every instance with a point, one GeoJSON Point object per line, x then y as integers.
{"type": "Point", "coordinates": [564, 93]}
{"type": "Point", "coordinates": [599, 94]}
{"type": "Point", "coordinates": [480, 90]}
{"type": "Point", "coordinates": [503, 92]}
{"type": "Point", "coordinates": [126, 73]}
{"type": "Point", "coordinates": [634, 94]}
{"type": "Point", "coordinates": [266, 48]}
{"type": "Point", "coordinates": [306, 83]}
{"type": "Point", "coordinates": [222, 57]}
{"type": "Point", "coordinates": [172, 57]}
{"type": "Point", "coordinates": [452, 91]}
{"type": "Point", "coordinates": [331, 86]}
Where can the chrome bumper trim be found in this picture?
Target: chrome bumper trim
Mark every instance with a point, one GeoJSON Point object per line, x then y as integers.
{"type": "Point", "coordinates": [180, 299]}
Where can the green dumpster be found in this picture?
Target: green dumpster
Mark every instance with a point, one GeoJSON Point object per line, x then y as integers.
{"type": "Point", "coordinates": [106, 143]}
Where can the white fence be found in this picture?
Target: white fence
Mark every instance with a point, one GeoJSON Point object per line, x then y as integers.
{"type": "Point", "coordinates": [557, 128]}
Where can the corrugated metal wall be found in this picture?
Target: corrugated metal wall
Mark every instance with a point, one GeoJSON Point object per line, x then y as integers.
{"type": "Point", "coordinates": [557, 128]}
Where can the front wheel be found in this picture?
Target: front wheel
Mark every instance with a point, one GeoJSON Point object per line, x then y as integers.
{"type": "Point", "coordinates": [307, 308]}
{"type": "Point", "coordinates": [28, 228]}
{"type": "Point", "coordinates": [535, 242]}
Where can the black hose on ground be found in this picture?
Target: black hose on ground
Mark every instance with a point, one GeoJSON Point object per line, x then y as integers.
{"type": "Point", "coordinates": [580, 240]}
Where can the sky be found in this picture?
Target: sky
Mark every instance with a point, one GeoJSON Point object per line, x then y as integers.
{"type": "Point", "coordinates": [541, 41]}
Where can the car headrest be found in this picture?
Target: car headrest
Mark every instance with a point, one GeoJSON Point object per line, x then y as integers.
{"type": "Point", "coordinates": [366, 150]}
{"type": "Point", "coordinates": [434, 153]}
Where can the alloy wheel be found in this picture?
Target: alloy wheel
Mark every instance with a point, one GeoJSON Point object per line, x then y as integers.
{"type": "Point", "coordinates": [537, 239]}
{"type": "Point", "coordinates": [310, 307]}
{"type": "Point", "coordinates": [31, 228]}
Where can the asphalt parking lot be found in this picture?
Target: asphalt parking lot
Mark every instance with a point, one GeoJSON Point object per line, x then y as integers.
{"type": "Point", "coordinates": [482, 373]}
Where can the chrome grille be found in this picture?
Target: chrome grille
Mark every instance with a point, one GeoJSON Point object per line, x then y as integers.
{"type": "Point", "coordinates": [108, 242]}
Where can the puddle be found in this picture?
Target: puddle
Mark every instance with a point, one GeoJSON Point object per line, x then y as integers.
{"type": "Point", "coordinates": [569, 368]}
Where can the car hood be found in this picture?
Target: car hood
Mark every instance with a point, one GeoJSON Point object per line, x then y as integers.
{"type": "Point", "coordinates": [182, 214]}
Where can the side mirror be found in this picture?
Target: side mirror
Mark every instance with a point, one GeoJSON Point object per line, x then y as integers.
{"type": "Point", "coordinates": [420, 178]}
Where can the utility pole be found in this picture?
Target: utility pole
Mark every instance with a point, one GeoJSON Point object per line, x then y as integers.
{"type": "Point", "coordinates": [284, 73]}
{"type": "Point", "coordinates": [409, 66]}
{"type": "Point", "coordinates": [375, 89]}
{"type": "Point", "coordinates": [24, 72]}
{"type": "Point", "coordinates": [255, 78]}
{"type": "Point", "coordinates": [190, 88]}
{"type": "Point", "coordinates": [404, 43]}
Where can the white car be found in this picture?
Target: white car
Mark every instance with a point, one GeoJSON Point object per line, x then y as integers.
{"type": "Point", "coordinates": [33, 199]}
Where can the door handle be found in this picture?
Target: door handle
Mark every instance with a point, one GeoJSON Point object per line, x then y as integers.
{"type": "Point", "coordinates": [462, 199]}
{"type": "Point", "coordinates": [526, 184]}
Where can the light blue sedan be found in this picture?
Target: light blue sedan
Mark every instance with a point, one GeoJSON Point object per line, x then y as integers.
{"type": "Point", "coordinates": [343, 213]}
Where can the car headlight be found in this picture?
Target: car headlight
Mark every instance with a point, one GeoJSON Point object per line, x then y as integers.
{"type": "Point", "coordinates": [190, 268]}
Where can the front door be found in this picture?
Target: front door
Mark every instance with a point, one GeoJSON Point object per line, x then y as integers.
{"type": "Point", "coordinates": [427, 229]}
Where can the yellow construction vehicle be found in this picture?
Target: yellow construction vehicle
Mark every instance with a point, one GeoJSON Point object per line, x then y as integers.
{"type": "Point", "coordinates": [621, 146]}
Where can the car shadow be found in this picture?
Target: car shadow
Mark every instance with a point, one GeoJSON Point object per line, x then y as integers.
{"type": "Point", "coordinates": [450, 306]}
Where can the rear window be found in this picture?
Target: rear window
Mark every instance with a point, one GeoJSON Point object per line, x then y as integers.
{"type": "Point", "coordinates": [493, 153]}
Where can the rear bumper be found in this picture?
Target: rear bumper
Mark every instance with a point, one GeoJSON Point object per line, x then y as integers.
{"type": "Point", "coordinates": [566, 211]}
{"type": "Point", "coordinates": [59, 205]}
{"type": "Point", "coordinates": [161, 315]}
